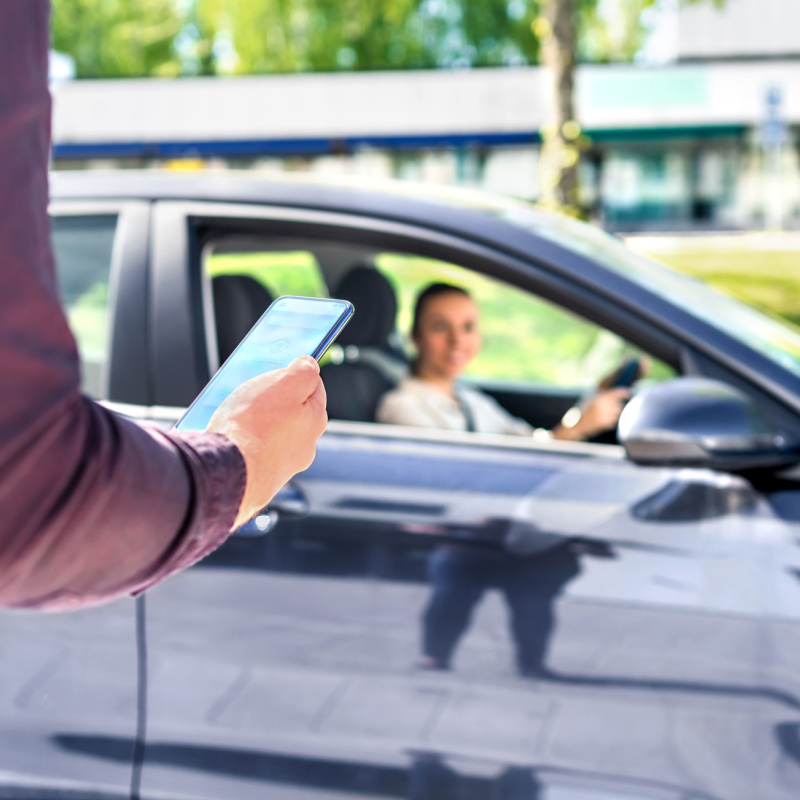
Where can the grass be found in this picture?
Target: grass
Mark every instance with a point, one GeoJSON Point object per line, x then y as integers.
{"type": "Point", "coordinates": [767, 279]}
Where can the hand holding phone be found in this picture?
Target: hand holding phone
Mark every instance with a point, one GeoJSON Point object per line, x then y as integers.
{"type": "Point", "coordinates": [291, 327]}
{"type": "Point", "coordinates": [275, 420]}
{"type": "Point", "coordinates": [269, 402]}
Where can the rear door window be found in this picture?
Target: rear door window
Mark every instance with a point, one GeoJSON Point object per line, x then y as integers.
{"type": "Point", "coordinates": [83, 246]}
{"type": "Point", "coordinates": [244, 281]}
{"type": "Point", "coordinates": [280, 272]}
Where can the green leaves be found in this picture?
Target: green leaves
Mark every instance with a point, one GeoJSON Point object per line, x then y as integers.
{"type": "Point", "coordinates": [117, 38]}
{"type": "Point", "coordinates": [344, 35]}
{"type": "Point", "coordinates": [132, 38]}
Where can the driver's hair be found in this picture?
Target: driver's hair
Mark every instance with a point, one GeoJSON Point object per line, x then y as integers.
{"type": "Point", "coordinates": [430, 291]}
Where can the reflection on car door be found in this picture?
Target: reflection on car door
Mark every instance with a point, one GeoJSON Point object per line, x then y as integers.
{"type": "Point", "coordinates": [600, 627]}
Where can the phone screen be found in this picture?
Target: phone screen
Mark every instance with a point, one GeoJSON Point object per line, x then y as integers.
{"type": "Point", "coordinates": [289, 328]}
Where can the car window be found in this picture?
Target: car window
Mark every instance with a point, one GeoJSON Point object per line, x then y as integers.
{"type": "Point", "coordinates": [776, 339]}
{"type": "Point", "coordinates": [279, 272]}
{"type": "Point", "coordinates": [244, 280]}
{"type": "Point", "coordinates": [83, 248]}
{"type": "Point", "coordinates": [525, 338]}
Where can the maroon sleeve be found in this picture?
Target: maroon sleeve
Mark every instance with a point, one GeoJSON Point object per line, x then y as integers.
{"type": "Point", "coordinates": [91, 505]}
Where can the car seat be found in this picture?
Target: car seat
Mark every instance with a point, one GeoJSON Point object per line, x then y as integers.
{"type": "Point", "coordinates": [372, 364]}
{"type": "Point", "coordinates": [239, 302]}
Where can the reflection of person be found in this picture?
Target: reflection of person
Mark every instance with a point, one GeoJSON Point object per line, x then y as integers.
{"type": "Point", "coordinates": [447, 337]}
{"type": "Point", "coordinates": [460, 575]}
{"type": "Point", "coordinates": [94, 506]}
{"type": "Point", "coordinates": [430, 777]}
{"type": "Point", "coordinates": [446, 334]}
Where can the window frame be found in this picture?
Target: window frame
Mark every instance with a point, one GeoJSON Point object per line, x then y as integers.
{"type": "Point", "coordinates": [206, 221]}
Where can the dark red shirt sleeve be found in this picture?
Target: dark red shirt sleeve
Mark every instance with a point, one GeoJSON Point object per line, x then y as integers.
{"type": "Point", "coordinates": [92, 506]}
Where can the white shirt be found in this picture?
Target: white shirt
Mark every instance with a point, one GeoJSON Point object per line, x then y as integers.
{"type": "Point", "coordinates": [419, 403]}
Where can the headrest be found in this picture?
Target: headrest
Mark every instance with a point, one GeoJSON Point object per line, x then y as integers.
{"type": "Point", "coordinates": [239, 301]}
{"type": "Point", "coordinates": [375, 304]}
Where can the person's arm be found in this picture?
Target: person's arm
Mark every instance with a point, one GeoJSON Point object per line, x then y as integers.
{"type": "Point", "coordinates": [94, 506]}
{"type": "Point", "coordinates": [600, 414]}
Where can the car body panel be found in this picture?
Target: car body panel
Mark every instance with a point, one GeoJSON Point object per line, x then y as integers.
{"type": "Point", "coordinates": [66, 678]}
{"type": "Point", "coordinates": [663, 648]}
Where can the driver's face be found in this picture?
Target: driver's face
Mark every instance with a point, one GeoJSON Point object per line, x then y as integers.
{"type": "Point", "coordinates": [447, 336]}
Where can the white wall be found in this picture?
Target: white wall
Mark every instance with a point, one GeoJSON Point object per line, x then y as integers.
{"type": "Point", "coordinates": [740, 28]}
{"type": "Point", "coordinates": [461, 102]}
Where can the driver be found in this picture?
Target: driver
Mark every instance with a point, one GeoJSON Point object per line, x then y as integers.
{"type": "Point", "coordinates": [447, 337]}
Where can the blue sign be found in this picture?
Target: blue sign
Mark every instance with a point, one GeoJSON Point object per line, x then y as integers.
{"type": "Point", "coordinates": [774, 131]}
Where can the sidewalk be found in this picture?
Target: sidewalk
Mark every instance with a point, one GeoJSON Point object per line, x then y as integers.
{"type": "Point", "coordinates": [747, 241]}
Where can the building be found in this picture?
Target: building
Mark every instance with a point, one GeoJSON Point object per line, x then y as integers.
{"type": "Point", "coordinates": [710, 141]}
{"type": "Point", "coordinates": [739, 30]}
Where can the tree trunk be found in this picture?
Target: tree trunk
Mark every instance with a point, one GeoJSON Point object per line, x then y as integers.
{"type": "Point", "coordinates": [560, 151]}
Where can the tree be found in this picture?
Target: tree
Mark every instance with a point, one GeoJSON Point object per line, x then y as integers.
{"type": "Point", "coordinates": [560, 155]}
{"type": "Point", "coordinates": [117, 38]}
{"type": "Point", "coordinates": [489, 33]}
{"type": "Point", "coordinates": [279, 36]}
{"type": "Point", "coordinates": [112, 38]}
{"type": "Point", "coordinates": [557, 29]}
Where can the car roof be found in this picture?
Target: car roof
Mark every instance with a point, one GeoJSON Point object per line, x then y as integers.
{"type": "Point", "coordinates": [240, 186]}
{"type": "Point", "coordinates": [467, 213]}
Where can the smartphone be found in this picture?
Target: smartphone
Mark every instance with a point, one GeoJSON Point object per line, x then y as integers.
{"type": "Point", "coordinates": [627, 374]}
{"type": "Point", "coordinates": [289, 328]}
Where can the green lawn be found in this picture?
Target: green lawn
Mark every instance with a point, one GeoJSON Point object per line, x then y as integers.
{"type": "Point", "coordinates": [767, 279]}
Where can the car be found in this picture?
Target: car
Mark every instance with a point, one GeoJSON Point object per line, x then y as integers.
{"type": "Point", "coordinates": [624, 613]}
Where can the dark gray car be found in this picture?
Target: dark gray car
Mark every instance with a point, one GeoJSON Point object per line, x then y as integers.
{"type": "Point", "coordinates": [615, 621]}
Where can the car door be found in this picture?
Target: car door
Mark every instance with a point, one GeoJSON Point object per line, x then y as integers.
{"type": "Point", "coordinates": [609, 630]}
{"type": "Point", "coordinates": [68, 682]}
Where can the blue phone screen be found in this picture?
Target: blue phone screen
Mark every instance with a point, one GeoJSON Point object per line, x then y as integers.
{"type": "Point", "coordinates": [290, 327]}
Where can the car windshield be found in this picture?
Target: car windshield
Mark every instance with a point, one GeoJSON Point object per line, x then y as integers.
{"type": "Point", "coordinates": [779, 341]}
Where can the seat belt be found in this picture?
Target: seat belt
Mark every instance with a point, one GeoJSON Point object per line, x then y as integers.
{"type": "Point", "coordinates": [466, 411]}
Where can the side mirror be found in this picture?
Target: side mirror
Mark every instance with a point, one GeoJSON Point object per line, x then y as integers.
{"type": "Point", "coordinates": [696, 422]}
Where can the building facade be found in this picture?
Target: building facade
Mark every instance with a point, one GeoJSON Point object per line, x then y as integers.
{"type": "Point", "coordinates": [707, 144]}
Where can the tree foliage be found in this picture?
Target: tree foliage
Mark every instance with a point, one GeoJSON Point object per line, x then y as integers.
{"type": "Point", "coordinates": [114, 38]}
{"type": "Point", "coordinates": [117, 38]}
{"type": "Point", "coordinates": [325, 35]}
{"type": "Point", "coordinates": [330, 35]}
{"type": "Point", "coordinates": [611, 32]}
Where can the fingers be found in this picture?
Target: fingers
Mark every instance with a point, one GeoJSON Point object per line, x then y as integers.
{"type": "Point", "coordinates": [304, 362]}
{"type": "Point", "coordinates": [317, 402]}
{"type": "Point", "coordinates": [621, 394]}
{"type": "Point", "coordinates": [319, 397]}
{"type": "Point", "coordinates": [303, 375]}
